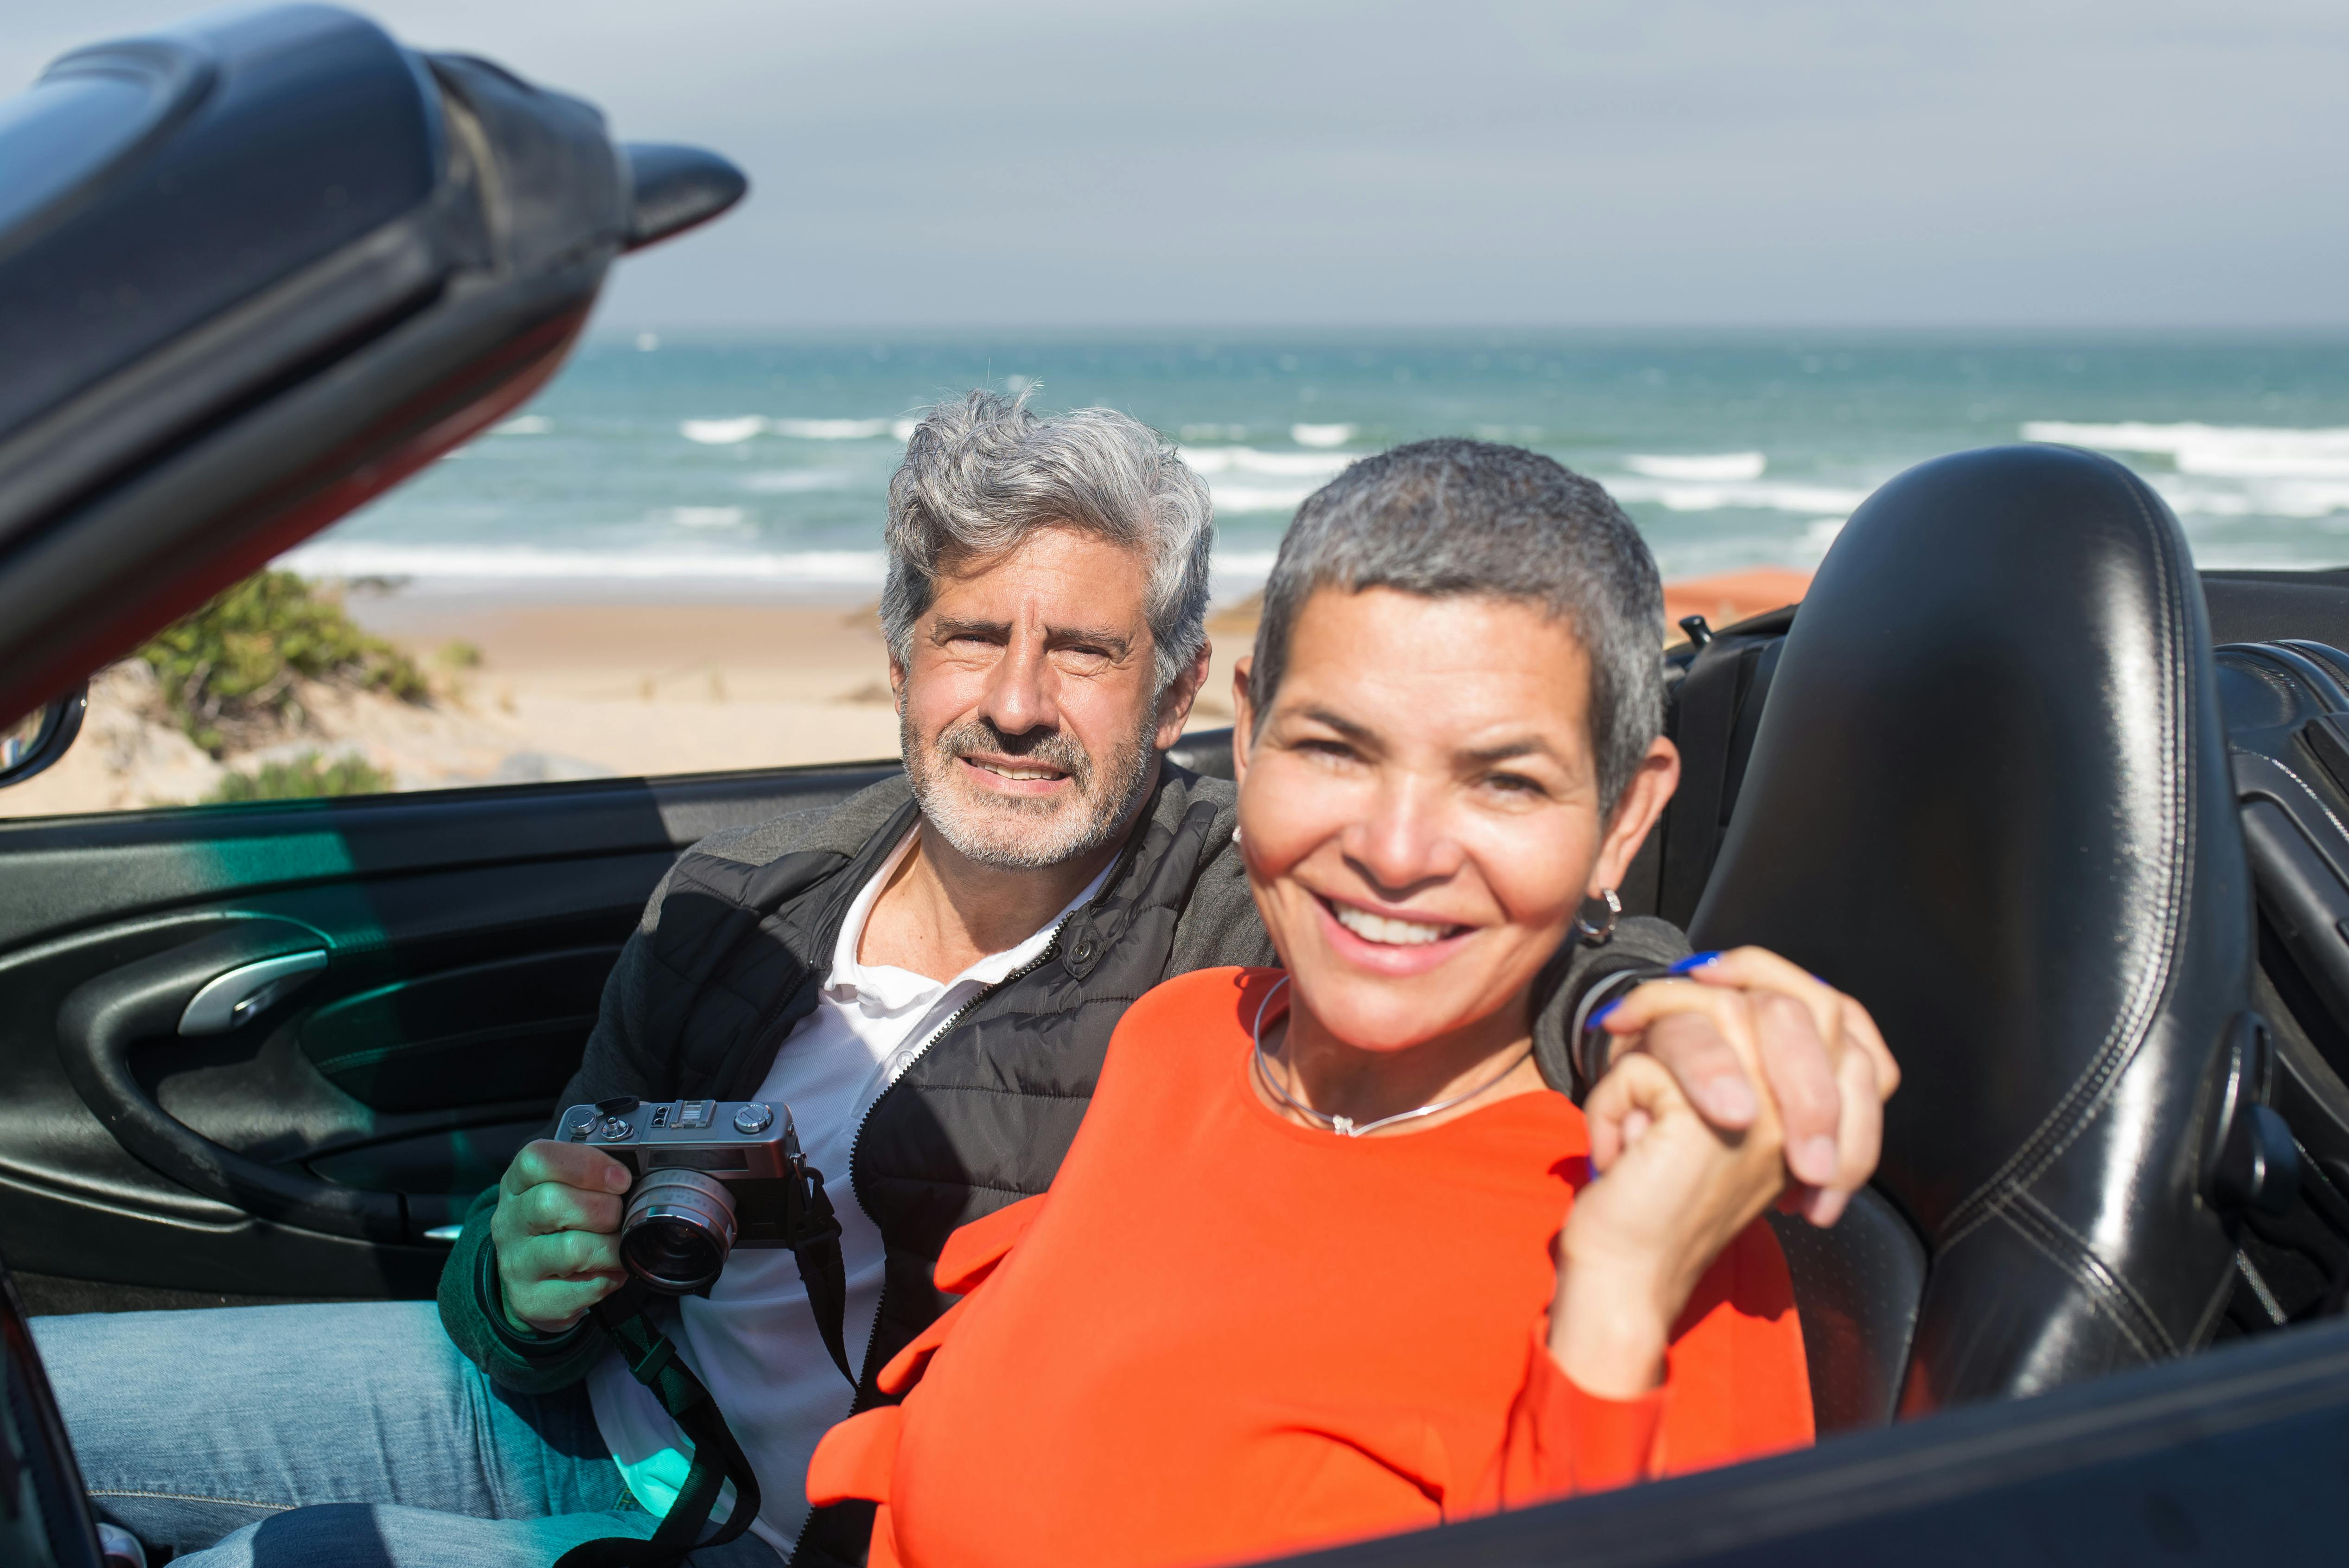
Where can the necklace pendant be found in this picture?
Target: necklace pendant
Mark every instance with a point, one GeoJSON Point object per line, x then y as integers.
{"type": "Point", "coordinates": [1344, 1125]}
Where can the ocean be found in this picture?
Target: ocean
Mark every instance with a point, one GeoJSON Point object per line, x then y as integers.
{"type": "Point", "coordinates": [758, 464]}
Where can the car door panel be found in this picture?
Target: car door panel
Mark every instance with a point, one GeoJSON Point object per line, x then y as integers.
{"type": "Point", "coordinates": [309, 1150]}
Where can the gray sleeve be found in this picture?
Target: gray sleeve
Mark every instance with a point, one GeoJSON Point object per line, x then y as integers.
{"type": "Point", "coordinates": [1219, 926]}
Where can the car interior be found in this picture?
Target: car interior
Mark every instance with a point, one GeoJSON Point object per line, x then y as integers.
{"type": "Point", "coordinates": [2074, 817]}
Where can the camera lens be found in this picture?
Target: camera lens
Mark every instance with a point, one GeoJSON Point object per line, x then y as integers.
{"type": "Point", "coordinates": [678, 1230]}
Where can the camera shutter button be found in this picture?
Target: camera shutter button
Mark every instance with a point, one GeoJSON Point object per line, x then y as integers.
{"type": "Point", "coordinates": [752, 1118]}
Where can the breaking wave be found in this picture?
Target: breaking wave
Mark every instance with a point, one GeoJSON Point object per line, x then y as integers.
{"type": "Point", "coordinates": [1715, 467]}
{"type": "Point", "coordinates": [742, 427]}
{"type": "Point", "coordinates": [1321, 435]}
{"type": "Point", "coordinates": [1249, 460]}
{"type": "Point", "coordinates": [1675, 496]}
{"type": "Point", "coordinates": [2214, 451]}
{"type": "Point", "coordinates": [722, 432]}
{"type": "Point", "coordinates": [799, 481]}
{"type": "Point", "coordinates": [1234, 500]}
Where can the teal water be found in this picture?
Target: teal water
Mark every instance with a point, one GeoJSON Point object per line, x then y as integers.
{"type": "Point", "coordinates": [761, 463]}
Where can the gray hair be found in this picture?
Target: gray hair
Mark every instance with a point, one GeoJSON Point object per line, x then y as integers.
{"type": "Point", "coordinates": [981, 473]}
{"type": "Point", "coordinates": [1446, 518]}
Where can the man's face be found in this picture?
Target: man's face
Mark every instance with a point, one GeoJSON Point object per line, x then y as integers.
{"type": "Point", "coordinates": [1027, 713]}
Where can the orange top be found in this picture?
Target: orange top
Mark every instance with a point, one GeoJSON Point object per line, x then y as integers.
{"type": "Point", "coordinates": [1223, 1336]}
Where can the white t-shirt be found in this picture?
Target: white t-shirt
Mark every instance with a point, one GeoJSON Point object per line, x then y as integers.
{"type": "Point", "coordinates": [753, 1341]}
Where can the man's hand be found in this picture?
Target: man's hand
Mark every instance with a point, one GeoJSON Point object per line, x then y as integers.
{"type": "Point", "coordinates": [556, 1228]}
{"type": "Point", "coordinates": [1827, 1067]}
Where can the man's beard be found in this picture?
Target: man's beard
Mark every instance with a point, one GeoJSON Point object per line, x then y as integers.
{"type": "Point", "coordinates": [1012, 832]}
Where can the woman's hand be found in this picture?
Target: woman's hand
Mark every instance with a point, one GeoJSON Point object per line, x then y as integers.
{"type": "Point", "coordinates": [1822, 1063]}
{"type": "Point", "coordinates": [1670, 1192]}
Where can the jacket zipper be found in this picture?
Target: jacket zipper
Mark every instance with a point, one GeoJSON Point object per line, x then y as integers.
{"type": "Point", "coordinates": [1051, 950]}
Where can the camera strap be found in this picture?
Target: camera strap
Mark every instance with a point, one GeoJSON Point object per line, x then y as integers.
{"type": "Point", "coordinates": [823, 1270]}
{"type": "Point", "coordinates": [717, 1458]}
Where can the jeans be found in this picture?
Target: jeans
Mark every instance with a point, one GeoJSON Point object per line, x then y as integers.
{"type": "Point", "coordinates": [332, 1437]}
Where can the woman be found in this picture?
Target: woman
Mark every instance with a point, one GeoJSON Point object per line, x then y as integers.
{"type": "Point", "coordinates": [1303, 1276]}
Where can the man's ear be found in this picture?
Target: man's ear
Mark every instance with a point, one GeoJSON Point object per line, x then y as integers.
{"type": "Point", "coordinates": [1174, 702]}
{"type": "Point", "coordinates": [897, 685]}
{"type": "Point", "coordinates": [1643, 800]}
{"type": "Point", "coordinates": [1243, 714]}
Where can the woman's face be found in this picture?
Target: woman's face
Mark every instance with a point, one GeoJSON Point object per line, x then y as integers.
{"type": "Point", "coordinates": [1419, 814]}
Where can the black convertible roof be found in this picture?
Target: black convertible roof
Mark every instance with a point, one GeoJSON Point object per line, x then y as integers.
{"type": "Point", "coordinates": [257, 268]}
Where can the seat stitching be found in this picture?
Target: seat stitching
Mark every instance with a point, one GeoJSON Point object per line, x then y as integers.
{"type": "Point", "coordinates": [2088, 1093]}
{"type": "Point", "coordinates": [2048, 1217]}
{"type": "Point", "coordinates": [192, 1497]}
{"type": "Point", "coordinates": [2097, 1299]}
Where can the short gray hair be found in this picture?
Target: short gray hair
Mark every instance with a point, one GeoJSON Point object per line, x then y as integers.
{"type": "Point", "coordinates": [1446, 518]}
{"type": "Point", "coordinates": [982, 472]}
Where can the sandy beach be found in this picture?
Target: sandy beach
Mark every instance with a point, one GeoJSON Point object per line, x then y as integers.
{"type": "Point", "coordinates": [529, 690]}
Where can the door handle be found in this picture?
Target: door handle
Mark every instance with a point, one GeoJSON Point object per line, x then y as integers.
{"type": "Point", "coordinates": [207, 986]}
{"type": "Point", "coordinates": [226, 1003]}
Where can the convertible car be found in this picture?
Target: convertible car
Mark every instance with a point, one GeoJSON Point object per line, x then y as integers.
{"type": "Point", "coordinates": [2074, 821]}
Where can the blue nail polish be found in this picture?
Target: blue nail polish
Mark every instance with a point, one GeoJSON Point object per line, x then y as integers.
{"type": "Point", "coordinates": [1598, 1017]}
{"type": "Point", "coordinates": [1693, 960]}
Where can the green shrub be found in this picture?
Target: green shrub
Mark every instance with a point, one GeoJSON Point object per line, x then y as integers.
{"type": "Point", "coordinates": [305, 776]}
{"type": "Point", "coordinates": [228, 672]}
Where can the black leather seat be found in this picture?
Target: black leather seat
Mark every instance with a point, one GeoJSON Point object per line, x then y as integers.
{"type": "Point", "coordinates": [1988, 797]}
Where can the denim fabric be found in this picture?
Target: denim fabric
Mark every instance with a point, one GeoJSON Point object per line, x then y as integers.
{"type": "Point", "coordinates": [331, 1437]}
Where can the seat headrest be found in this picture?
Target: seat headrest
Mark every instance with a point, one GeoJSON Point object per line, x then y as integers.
{"type": "Point", "coordinates": [1988, 798]}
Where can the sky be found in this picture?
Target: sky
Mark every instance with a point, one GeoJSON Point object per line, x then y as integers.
{"type": "Point", "coordinates": [1635, 164]}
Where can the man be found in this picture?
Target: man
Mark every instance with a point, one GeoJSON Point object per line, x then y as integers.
{"type": "Point", "coordinates": [927, 976]}
{"type": "Point", "coordinates": [946, 954]}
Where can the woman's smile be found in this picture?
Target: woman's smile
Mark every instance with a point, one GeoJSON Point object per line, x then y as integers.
{"type": "Point", "coordinates": [1393, 945]}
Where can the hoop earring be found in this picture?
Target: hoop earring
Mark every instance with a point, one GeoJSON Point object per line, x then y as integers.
{"type": "Point", "coordinates": [1591, 935]}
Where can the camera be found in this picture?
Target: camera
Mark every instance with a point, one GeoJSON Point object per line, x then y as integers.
{"type": "Point", "coordinates": [709, 1176]}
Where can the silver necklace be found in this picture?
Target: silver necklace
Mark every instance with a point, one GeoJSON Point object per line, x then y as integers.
{"type": "Point", "coordinates": [1346, 1126]}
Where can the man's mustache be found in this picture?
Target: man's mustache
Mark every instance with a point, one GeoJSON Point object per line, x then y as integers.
{"type": "Point", "coordinates": [1051, 749]}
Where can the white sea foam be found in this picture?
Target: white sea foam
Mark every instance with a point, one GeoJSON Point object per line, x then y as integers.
{"type": "Point", "coordinates": [702, 516]}
{"type": "Point", "coordinates": [1692, 497]}
{"type": "Point", "coordinates": [528, 425]}
{"type": "Point", "coordinates": [902, 429]}
{"type": "Point", "coordinates": [1710, 467]}
{"type": "Point", "coordinates": [2257, 497]}
{"type": "Point", "coordinates": [834, 429]}
{"type": "Point", "coordinates": [853, 568]}
{"type": "Point", "coordinates": [1822, 531]}
{"type": "Point", "coordinates": [722, 432]}
{"type": "Point", "coordinates": [1249, 460]}
{"type": "Point", "coordinates": [1320, 435]}
{"type": "Point", "coordinates": [799, 481]}
{"type": "Point", "coordinates": [2217, 451]}
{"type": "Point", "coordinates": [1232, 499]}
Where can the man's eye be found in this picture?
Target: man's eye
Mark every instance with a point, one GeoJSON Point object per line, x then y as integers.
{"type": "Point", "coordinates": [1515, 784]}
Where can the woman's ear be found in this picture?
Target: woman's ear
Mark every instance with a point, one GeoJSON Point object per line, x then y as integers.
{"type": "Point", "coordinates": [1243, 714]}
{"type": "Point", "coordinates": [1642, 801]}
